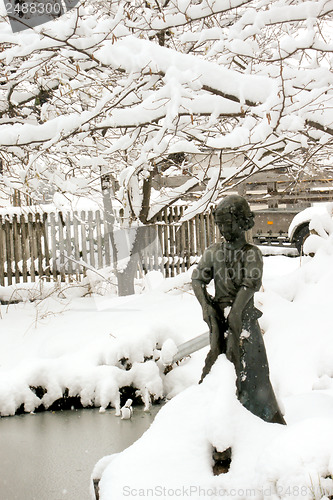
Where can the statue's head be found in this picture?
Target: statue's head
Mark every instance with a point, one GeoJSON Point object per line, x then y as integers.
{"type": "Point", "coordinates": [238, 208]}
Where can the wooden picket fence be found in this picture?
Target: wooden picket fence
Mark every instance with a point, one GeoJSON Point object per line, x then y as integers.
{"type": "Point", "coordinates": [53, 246]}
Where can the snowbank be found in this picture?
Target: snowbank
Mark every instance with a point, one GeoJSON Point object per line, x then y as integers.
{"type": "Point", "coordinates": [269, 461]}
{"type": "Point", "coordinates": [174, 457]}
{"type": "Point", "coordinates": [92, 347]}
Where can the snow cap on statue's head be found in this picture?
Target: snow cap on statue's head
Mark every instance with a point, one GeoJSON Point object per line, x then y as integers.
{"type": "Point", "coordinates": [239, 207]}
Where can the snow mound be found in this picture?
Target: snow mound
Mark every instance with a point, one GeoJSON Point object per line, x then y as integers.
{"type": "Point", "coordinates": [95, 349]}
{"type": "Point", "coordinates": [269, 461]}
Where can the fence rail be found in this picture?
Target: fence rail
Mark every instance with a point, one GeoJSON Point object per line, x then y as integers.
{"type": "Point", "coordinates": [58, 246]}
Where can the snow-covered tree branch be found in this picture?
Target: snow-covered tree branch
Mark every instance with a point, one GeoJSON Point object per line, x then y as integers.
{"type": "Point", "coordinates": [123, 88]}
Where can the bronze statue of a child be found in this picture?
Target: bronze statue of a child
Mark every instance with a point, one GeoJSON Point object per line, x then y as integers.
{"type": "Point", "coordinates": [236, 268]}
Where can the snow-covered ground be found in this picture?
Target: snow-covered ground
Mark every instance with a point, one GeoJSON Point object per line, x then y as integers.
{"type": "Point", "coordinates": [90, 346]}
{"type": "Point", "coordinates": [269, 461]}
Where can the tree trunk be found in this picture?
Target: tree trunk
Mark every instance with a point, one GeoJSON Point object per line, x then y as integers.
{"type": "Point", "coordinates": [143, 238]}
{"type": "Point", "coordinates": [133, 253]}
{"type": "Point", "coordinates": [120, 243]}
{"type": "Point", "coordinates": [126, 278]}
{"type": "Point", "coordinates": [109, 217]}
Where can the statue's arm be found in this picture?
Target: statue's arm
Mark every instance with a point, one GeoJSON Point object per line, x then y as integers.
{"type": "Point", "coordinates": [200, 291]}
{"type": "Point", "coordinates": [235, 316]}
{"type": "Point", "coordinates": [201, 277]}
{"type": "Point", "coordinates": [208, 310]}
{"type": "Point", "coordinates": [253, 267]}
{"type": "Point", "coordinates": [235, 325]}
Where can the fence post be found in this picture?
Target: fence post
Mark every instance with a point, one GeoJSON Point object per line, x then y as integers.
{"type": "Point", "coordinates": [8, 251]}
{"type": "Point", "coordinates": [76, 244]}
{"type": "Point", "coordinates": [61, 247]}
{"type": "Point", "coordinates": [69, 263]}
{"type": "Point", "coordinates": [91, 239]}
{"type": "Point", "coordinates": [45, 235]}
{"type": "Point", "coordinates": [178, 251]}
{"type": "Point", "coordinates": [84, 238]}
{"type": "Point", "coordinates": [31, 247]}
{"type": "Point", "coordinates": [2, 253]}
{"type": "Point", "coordinates": [166, 243]}
{"type": "Point", "coordinates": [99, 240]}
{"type": "Point", "coordinates": [106, 239]}
{"type": "Point", "coordinates": [17, 248]}
{"type": "Point", "coordinates": [39, 245]}
{"type": "Point", "coordinates": [172, 240]}
{"type": "Point", "coordinates": [53, 247]}
{"type": "Point", "coordinates": [24, 247]}
{"type": "Point", "coordinates": [191, 234]}
{"type": "Point", "coordinates": [182, 249]}
{"type": "Point", "coordinates": [160, 243]}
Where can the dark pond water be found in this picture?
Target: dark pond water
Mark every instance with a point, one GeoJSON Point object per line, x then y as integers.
{"type": "Point", "coordinates": [50, 455]}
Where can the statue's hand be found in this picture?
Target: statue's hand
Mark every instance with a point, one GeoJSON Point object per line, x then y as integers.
{"type": "Point", "coordinates": [235, 322]}
{"type": "Point", "coordinates": [231, 351]}
{"type": "Point", "coordinates": [233, 337]}
{"type": "Point", "coordinates": [209, 314]}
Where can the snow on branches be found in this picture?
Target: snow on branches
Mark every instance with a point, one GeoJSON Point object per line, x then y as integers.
{"type": "Point", "coordinates": [128, 85]}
